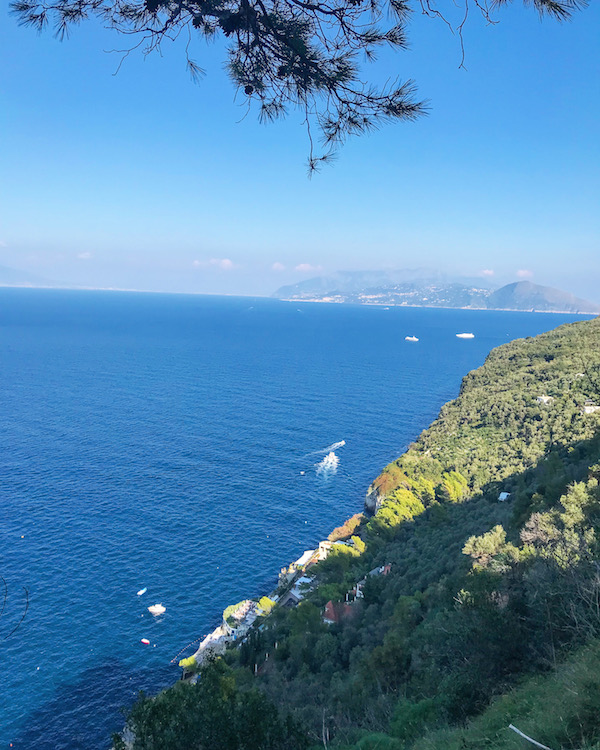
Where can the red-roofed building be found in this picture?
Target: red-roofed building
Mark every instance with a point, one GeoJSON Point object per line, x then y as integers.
{"type": "Point", "coordinates": [336, 612]}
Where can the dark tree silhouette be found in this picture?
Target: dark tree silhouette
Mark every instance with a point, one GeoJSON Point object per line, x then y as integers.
{"type": "Point", "coordinates": [284, 53]}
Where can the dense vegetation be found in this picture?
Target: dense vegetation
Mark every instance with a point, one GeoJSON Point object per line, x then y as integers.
{"type": "Point", "coordinates": [480, 595]}
{"type": "Point", "coordinates": [212, 714]}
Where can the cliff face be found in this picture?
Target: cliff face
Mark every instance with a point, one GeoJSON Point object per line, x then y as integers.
{"type": "Point", "coordinates": [379, 489]}
{"type": "Point", "coordinates": [373, 499]}
{"type": "Point", "coordinates": [383, 486]}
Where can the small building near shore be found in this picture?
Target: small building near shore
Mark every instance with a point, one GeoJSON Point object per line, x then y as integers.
{"type": "Point", "coordinates": [356, 592]}
{"type": "Point", "coordinates": [286, 574]}
{"type": "Point", "coordinates": [590, 407]}
{"type": "Point", "coordinates": [301, 562]}
{"type": "Point", "coordinates": [336, 612]}
{"type": "Point", "coordinates": [324, 549]}
{"type": "Point", "coordinates": [382, 570]}
{"type": "Point", "coordinates": [297, 593]}
{"type": "Point", "coordinates": [545, 400]}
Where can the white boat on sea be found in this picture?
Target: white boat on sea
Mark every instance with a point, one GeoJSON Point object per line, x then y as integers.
{"type": "Point", "coordinates": [330, 460]}
{"type": "Point", "coordinates": [156, 609]}
{"type": "Point", "coordinates": [142, 591]}
{"type": "Point", "coordinates": [411, 338]}
{"type": "Point", "coordinates": [465, 335]}
{"type": "Point", "coordinates": [329, 463]}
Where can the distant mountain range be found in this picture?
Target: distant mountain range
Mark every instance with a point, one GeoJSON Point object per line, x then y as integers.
{"type": "Point", "coordinates": [418, 289]}
{"type": "Point", "coordinates": [407, 287]}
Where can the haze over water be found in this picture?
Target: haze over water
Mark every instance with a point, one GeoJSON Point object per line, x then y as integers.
{"type": "Point", "coordinates": [172, 442]}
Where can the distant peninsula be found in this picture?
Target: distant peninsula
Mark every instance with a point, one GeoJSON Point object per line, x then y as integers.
{"type": "Point", "coordinates": [407, 288]}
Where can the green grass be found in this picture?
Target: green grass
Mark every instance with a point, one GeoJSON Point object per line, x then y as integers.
{"type": "Point", "coordinates": [560, 710]}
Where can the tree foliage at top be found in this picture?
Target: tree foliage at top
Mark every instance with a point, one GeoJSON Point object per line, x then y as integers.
{"type": "Point", "coordinates": [302, 54]}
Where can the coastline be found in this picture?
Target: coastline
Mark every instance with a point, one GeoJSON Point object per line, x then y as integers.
{"type": "Point", "coordinates": [294, 582]}
{"type": "Point", "coordinates": [126, 290]}
{"type": "Point", "coordinates": [292, 577]}
{"type": "Point", "coordinates": [386, 305]}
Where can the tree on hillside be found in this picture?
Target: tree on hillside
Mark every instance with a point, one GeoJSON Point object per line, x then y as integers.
{"type": "Point", "coordinates": [213, 714]}
{"type": "Point", "coordinates": [284, 53]}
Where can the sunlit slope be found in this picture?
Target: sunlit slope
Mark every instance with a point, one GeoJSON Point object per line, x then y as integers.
{"type": "Point", "coordinates": [527, 402]}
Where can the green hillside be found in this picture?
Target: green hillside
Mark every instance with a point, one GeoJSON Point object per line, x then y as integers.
{"type": "Point", "coordinates": [558, 709]}
{"type": "Point", "coordinates": [470, 610]}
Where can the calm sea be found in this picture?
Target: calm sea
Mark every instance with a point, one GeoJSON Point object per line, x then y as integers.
{"type": "Point", "coordinates": [173, 442]}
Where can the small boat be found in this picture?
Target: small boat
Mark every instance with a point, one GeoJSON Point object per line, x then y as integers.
{"type": "Point", "coordinates": [329, 463]}
{"type": "Point", "coordinates": [145, 641]}
{"type": "Point", "coordinates": [411, 338]}
{"type": "Point", "coordinates": [142, 591]}
{"type": "Point", "coordinates": [157, 609]}
{"type": "Point", "coordinates": [465, 335]}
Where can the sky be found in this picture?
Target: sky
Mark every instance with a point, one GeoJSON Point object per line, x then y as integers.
{"type": "Point", "coordinates": [144, 180]}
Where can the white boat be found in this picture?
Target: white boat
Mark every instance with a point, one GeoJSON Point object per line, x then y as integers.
{"type": "Point", "coordinates": [329, 463]}
{"type": "Point", "coordinates": [142, 591]}
{"type": "Point", "coordinates": [330, 460]}
{"type": "Point", "coordinates": [157, 609]}
{"type": "Point", "coordinates": [465, 335]}
{"type": "Point", "coordinates": [411, 338]}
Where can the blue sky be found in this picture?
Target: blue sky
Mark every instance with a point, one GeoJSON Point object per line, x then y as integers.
{"type": "Point", "coordinates": [144, 180]}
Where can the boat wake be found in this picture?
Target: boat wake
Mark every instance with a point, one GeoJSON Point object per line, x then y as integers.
{"type": "Point", "coordinates": [330, 448]}
{"type": "Point", "coordinates": [328, 465]}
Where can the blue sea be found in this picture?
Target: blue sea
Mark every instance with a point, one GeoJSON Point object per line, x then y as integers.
{"type": "Point", "coordinates": [173, 443]}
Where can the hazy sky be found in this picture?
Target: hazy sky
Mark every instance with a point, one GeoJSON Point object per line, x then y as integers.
{"type": "Point", "coordinates": [144, 180]}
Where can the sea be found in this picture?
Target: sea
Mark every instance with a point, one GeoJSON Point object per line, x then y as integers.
{"type": "Point", "coordinates": [174, 443]}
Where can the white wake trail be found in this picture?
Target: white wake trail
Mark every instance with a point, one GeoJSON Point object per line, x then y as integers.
{"type": "Point", "coordinates": [330, 448]}
{"type": "Point", "coordinates": [334, 447]}
{"type": "Point", "coordinates": [328, 465]}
